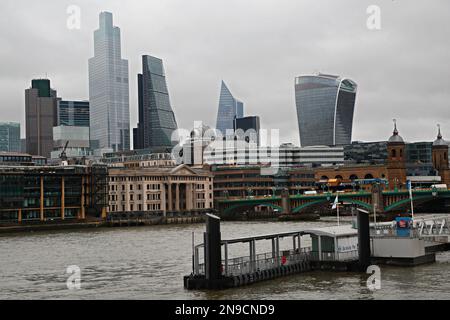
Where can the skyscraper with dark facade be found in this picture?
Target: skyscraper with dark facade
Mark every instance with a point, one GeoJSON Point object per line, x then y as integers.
{"type": "Point", "coordinates": [40, 117]}
{"type": "Point", "coordinates": [325, 108]}
{"type": "Point", "coordinates": [108, 89]}
{"type": "Point", "coordinates": [229, 109]}
{"type": "Point", "coordinates": [250, 128]}
{"type": "Point", "coordinates": [157, 120]}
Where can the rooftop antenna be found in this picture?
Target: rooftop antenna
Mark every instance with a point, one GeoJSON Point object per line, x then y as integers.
{"type": "Point", "coordinates": [439, 131]}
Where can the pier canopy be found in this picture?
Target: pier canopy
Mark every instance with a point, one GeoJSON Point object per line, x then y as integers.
{"type": "Point", "coordinates": [335, 243]}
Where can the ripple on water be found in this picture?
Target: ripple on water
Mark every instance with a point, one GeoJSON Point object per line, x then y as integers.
{"type": "Point", "coordinates": [150, 262]}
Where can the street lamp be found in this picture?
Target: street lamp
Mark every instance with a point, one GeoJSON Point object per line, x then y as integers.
{"type": "Point", "coordinates": [274, 189]}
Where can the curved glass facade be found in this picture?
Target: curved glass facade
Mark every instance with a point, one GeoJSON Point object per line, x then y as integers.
{"type": "Point", "coordinates": [325, 107]}
{"type": "Point", "coordinates": [229, 109]}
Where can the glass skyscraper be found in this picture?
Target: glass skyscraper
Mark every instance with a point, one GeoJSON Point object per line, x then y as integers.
{"type": "Point", "coordinates": [73, 113]}
{"type": "Point", "coordinates": [229, 109]}
{"type": "Point", "coordinates": [325, 107]}
{"type": "Point", "coordinates": [10, 137]}
{"type": "Point", "coordinates": [108, 89]}
{"type": "Point", "coordinates": [156, 117]}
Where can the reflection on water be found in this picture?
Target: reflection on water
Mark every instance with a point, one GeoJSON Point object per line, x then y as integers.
{"type": "Point", "coordinates": [150, 262]}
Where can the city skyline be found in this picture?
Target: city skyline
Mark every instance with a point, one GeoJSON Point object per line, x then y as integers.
{"type": "Point", "coordinates": [386, 88]}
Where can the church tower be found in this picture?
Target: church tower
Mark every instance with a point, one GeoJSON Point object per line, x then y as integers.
{"type": "Point", "coordinates": [440, 158]}
{"type": "Point", "coordinates": [396, 167]}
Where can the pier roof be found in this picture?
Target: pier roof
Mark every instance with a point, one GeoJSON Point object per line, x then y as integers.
{"type": "Point", "coordinates": [334, 231]}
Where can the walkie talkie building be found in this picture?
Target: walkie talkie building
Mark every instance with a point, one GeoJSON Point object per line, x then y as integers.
{"type": "Point", "coordinates": [325, 107]}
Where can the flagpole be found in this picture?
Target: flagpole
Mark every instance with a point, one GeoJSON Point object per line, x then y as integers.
{"type": "Point", "coordinates": [337, 213]}
{"type": "Point", "coordinates": [411, 198]}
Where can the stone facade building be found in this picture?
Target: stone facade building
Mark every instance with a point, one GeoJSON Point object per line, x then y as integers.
{"type": "Point", "coordinates": [160, 189]}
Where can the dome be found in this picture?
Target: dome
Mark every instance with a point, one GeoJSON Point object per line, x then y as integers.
{"type": "Point", "coordinates": [439, 141]}
{"type": "Point", "coordinates": [395, 138]}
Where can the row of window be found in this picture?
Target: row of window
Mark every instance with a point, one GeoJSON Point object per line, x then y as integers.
{"type": "Point", "coordinates": [150, 197]}
{"type": "Point", "coordinates": [139, 187]}
{"type": "Point", "coordinates": [158, 178]}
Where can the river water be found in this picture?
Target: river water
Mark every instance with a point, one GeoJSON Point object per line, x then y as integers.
{"type": "Point", "coordinates": [150, 262]}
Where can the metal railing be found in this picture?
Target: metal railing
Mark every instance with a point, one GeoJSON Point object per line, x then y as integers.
{"type": "Point", "coordinates": [334, 256]}
{"type": "Point", "coordinates": [264, 261]}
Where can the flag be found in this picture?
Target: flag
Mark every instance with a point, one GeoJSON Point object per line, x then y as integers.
{"type": "Point", "coordinates": [335, 203]}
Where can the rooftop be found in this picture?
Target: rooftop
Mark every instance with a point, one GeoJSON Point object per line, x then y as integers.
{"type": "Point", "coordinates": [334, 231]}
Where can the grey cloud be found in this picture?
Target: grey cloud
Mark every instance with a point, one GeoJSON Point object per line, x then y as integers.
{"type": "Point", "coordinates": [256, 46]}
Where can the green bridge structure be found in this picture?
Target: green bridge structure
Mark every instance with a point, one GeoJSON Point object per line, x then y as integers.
{"type": "Point", "coordinates": [378, 200]}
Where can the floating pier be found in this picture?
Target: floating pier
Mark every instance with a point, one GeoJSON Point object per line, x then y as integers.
{"type": "Point", "coordinates": [335, 248]}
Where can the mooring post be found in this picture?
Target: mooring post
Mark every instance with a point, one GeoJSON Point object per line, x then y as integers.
{"type": "Point", "coordinates": [277, 250]}
{"type": "Point", "coordinates": [226, 258]}
{"type": "Point", "coordinates": [273, 249]}
{"type": "Point", "coordinates": [363, 240]}
{"type": "Point", "coordinates": [213, 254]}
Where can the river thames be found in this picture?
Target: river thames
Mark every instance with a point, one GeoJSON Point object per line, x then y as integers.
{"type": "Point", "coordinates": [150, 262]}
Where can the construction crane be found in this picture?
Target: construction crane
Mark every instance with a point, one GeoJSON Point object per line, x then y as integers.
{"type": "Point", "coordinates": [63, 155]}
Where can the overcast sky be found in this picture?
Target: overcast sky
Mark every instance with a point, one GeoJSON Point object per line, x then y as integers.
{"type": "Point", "coordinates": [257, 46]}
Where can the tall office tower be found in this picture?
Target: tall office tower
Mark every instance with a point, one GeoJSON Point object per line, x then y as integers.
{"type": "Point", "coordinates": [40, 117]}
{"type": "Point", "coordinates": [10, 137]}
{"type": "Point", "coordinates": [229, 109]}
{"type": "Point", "coordinates": [72, 113]}
{"type": "Point", "coordinates": [108, 89]}
{"type": "Point", "coordinates": [325, 107]}
{"type": "Point", "coordinates": [250, 128]}
{"type": "Point", "coordinates": [157, 120]}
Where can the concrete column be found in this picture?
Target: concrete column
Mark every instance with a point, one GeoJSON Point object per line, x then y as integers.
{"type": "Point", "coordinates": [42, 199]}
{"type": "Point", "coordinates": [19, 216]}
{"type": "Point", "coordinates": [177, 197]}
{"type": "Point", "coordinates": [188, 197]}
{"type": "Point", "coordinates": [63, 198]}
{"type": "Point", "coordinates": [127, 196]}
{"type": "Point", "coordinates": [163, 198]}
{"type": "Point", "coordinates": [170, 197]}
{"type": "Point", "coordinates": [299, 242]}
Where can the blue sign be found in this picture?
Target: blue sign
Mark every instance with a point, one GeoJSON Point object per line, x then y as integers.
{"type": "Point", "coordinates": [403, 226]}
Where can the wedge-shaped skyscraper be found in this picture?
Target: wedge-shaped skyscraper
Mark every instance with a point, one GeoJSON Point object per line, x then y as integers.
{"type": "Point", "coordinates": [325, 107]}
{"type": "Point", "coordinates": [108, 89]}
{"type": "Point", "coordinates": [229, 109]}
{"type": "Point", "coordinates": [156, 118]}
